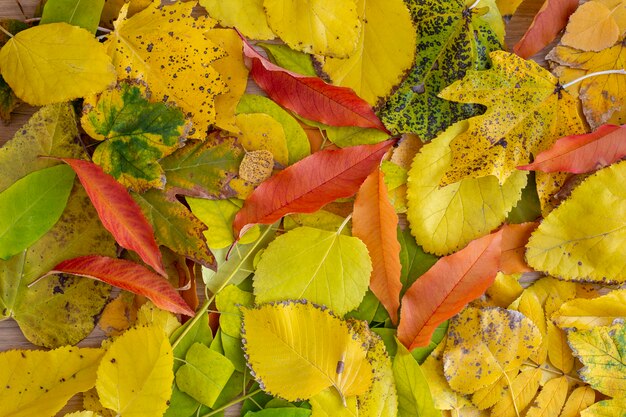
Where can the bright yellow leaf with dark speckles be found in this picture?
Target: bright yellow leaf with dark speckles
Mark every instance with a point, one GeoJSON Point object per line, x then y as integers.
{"type": "Point", "coordinates": [166, 48]}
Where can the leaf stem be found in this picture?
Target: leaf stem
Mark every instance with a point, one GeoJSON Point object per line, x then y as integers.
{"type": "Point", "coordinates": [105, 30]}
{"type": "Point", "coordinates": [345, 222]}
{"type": "Point", "coordinates": [6, 32]}
{"type": "Point", "coordinates": [556, 372]}
{"type": "Point", "coordinates": [594, 74]}
{"type": "Point", "coordinates": [233, 402]}
{"type": "Point", "coordinates": [32, 20]}
{"type": "Point", "coordinates": [473, 5]}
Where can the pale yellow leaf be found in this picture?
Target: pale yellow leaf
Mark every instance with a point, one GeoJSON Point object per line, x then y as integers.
{"type": "Point", "coordinates": [592, 27]}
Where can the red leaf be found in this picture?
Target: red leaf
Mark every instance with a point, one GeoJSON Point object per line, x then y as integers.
{"type": "Point", "coordinates": [310, 97]}
{"type": "Point", "coordinates": [118, 212]}
{"type": "Point", "coordinates": [549, 21]}
{"type": "Point", "coordinates": [375, 222]}
{"type": "Point", "coordinates": [309, 184]}
{"type": "Point", "coordinates": [446, 288]}
{"type": "Point", "coordinates": [128, 276]}
{"type": "Point", "coordinates": [583, 153]}
{"type": "Point", "coordinates": [514, 240]}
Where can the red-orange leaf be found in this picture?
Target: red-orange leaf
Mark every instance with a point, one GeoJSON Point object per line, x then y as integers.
{"type": "Point", "coordinates": [514, 240]}
{"type": "Point", "coordinates": [549, 21]}
{"type": "Point", "coordinates": [310, 97]}
{"type": "Point", "coordinates": [375, 222]}
{"type": "Point", "coordinates": [309, 184]}
{"type": "Point", "coordinates": [118, 212]}
{"type": "Point", "coordinates": [128, 276]}
{"type": "Point", "coordinates": [583, 153]}
{"type": "Point", "coordinates": [446, 288]}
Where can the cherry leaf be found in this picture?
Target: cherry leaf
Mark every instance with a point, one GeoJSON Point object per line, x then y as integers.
{"type": "Point", "coordinates": [446, 288]}
{"type": "Point", "coordinates": [128, 276]}
{"type": "Point", "coordinates": [310, 97]}
{"type": "Point", "coordinates": [119, 213]}
{"type": "Point", "coordinates": [309, 184]}
{"type": "Point", "coordinates": [579, 154]}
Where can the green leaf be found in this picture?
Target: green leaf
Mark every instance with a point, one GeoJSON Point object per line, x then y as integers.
{"type": "Point", "coordinates": [31, 206]}
{"type": "Point", "coordinates": [528, 208]}
{"type": "Point", "coordinates": [323, 267]}
{"type": "Point", "coordinates": [414, 398]}
{"type": "Point", "coordinates": [136, 134]}
{"type": "Point", "coordinates": [415, 262]}
{"type": "Point", "coordinates": [370, 310]}
{"type": "Point", "coordinates": [228, 302]}
{"type": "Point", "coordinates": [320, 219]}
{"type": "Point", "coordinates": [8, 101]}
{"type": "Point", "coordinates": [175, 226]}
{"type": "Point", "coordinates": [451, 39]}
{"type": "Point", "coordinates": [285, 57]}
{"type": "Point", "coordinates": [83, 13]}
{"type": "Point", "coordinates": [395, 175]}
{"type": "Point", "coordinates": [233, 351]}
{"type": "Point", "coordinates": [298, 145]}
{"type": "Point", "coordinates": [421, 353]}
{"type": "Point", "coordinates": [204, 374]}
{"type": "Point", "coordinates": [203, 169]}
{"type": "Point", "coordinates": [345, 136]}
{"type": "Point", "coordinates": [196, 330]}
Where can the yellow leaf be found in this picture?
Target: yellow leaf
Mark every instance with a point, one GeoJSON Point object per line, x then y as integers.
{"type": "Point", "coordinates": [548, 287]}
{"type": "Point", "coordinates": [486, 397]}
{"type": "Point", "coordinates": [91, 402]}
{"type": "Point", "coordinates": [382, 56]}
{"type": "Point", "coordinates": [581, 314]}
{"type": "Point", "coordinates": [166, 47]}
{"type": "Point", "coordinates": [530, 307]}
{"type": "Point", "coordinates": [136, 374]}
{"type": "Point", "coordinates": [483, 345]}
{"type": "Point", "coordinates": [522, 391]}
{"type": "Point", "coordinates": [594, 26]}
{"type": "Point", "coordinates": [445, 219]}
{"type": "Point", "coordinates": [606, 408]}
{"type": "Point", "coordinates": [559, 352]}
{"type": "Point", "coordinates": [38, 383]}
{"type": "Point", "coordinates": [578, 400]}
{"type": "Point", "coordinates": [111, 9]}
{"type": "Point", "coordinates": [508, 7]}
{"type": "Point", "coordinates": [260, 131]}
{"type": "Point", "coordinates": [82, 414]}
{"type": "Point", "coordinates": [504, 290]}
{"type": "Point", "coordinates": [247, 15]}
{"type": "Point", "coordinates": [55, 62]}
{"type": "Point", "coordinates": [444, 397]}
{"type": "Point", "coordinates": [151, 315]}
{"type": "Point", "coordinates": [293, 341]}
{"type": "Point", "coordinates": [592, 250]}
{"type": "Point", "coordinates": [550, 400]}
{"type": "Point", "coordinates": [325, 27]}
{"type": "Point", "coordinates": [328, 404]}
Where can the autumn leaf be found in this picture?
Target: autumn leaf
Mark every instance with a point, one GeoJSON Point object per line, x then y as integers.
{"type": "Point", "coordinates": [38, 383]}
{"type": "Point", "coordinates": [247, 16]}
{"type": "Point", "coordinates": [414, 398]}
{"type": "Point", "coordinates": [522, 391]}
{"type": "Point", "coordinates": [177, 68]}
{"type": "Point", "coordinates": [582, 314]}
{"type": "Point", "coordinates": [381, 56]}
{"type": "Point", "coordinates": [8, 99]}
{"type": "Point", "coordinates": [602, 351]}
{"type": "Point", "coordinates": [285, 327]}
{"type": "Point", "coordinates": [508, 7]}
{"type": "Point", "coordinates": [446, 288]}
{"type": "Point", "coordinates": [565, 247]}
{"type": "Point", "coordinates": [74, 12]}
{"type": "Point", "coordinates": [445, 219]}
{"type": "Point", "coordinates": [514, 240]}
{"type": "Point", "coordinates": [605, 408]}
{"type": "Point", "coordinates": [137, 382]}
{"type": "Point", "coordinates": [310, 97]}
{"type": "Point", "coordinates": [578, 400]}
{"type": "Point", "coordinates": [135, 133]}
{"type": "Point", "coordinates": [260, 131]}
{"type": "Point", "coordinates": [546, 25]}
{"type": "Point", "coordinates": [325, 268]}
{"type": "Point", "coordinates": [111, 10]}
{"type": "Point", "coordinates": [128, 276]}
{"type": "Point", "coordinates": [118, 213]}
{"type": "Point", "coordinates": [55, 62]}
{"type": "Point", "coordinates": [526, 113]}
{"type": "Point", "coordinates": [596, 25]}
{"type": "Point", "coordinates": [287, 58]}
{"type": "Point", "coordinates": [452, 38]}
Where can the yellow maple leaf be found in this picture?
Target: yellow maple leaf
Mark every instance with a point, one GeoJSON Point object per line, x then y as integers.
{"type": "Point", "coordinates": [381, 56]}
{"type": "Point", "coordinates": [166, 47]}
{"type": "Point", "coordinates": [596, 25]}
{"type": "Point", "coordinates": [247, 16]}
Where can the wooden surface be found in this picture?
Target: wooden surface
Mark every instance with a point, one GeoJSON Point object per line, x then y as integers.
{"type": "Point", "coordinates": [10, 335]}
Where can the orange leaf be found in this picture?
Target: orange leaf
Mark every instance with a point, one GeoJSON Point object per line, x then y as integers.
{"type": "Point", "coordinates": [514, 240]}
{"type": "Point", "coordinates": [446, 288]}
{"type": "Point", "coordinates": [128, 276]}
{"type": "Point", "coordinates": [579, 154]}
{"type": "Point", "coordinates": [375, 222]}
{"type": "Point", "coordinates": [549, 21]}
{"type": "Point", "coordinates": [118, 212]}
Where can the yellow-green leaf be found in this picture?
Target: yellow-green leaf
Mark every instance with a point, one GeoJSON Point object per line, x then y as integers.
{"type": "Point", "coordinates": [38, 383]}
{"type": "Point", "coordinates": [607, 408]}
{"type": "Point", "coordinates": [135, 376]}
{"type": "Point", "coordinates": [414, 398]}
{"type": "Point", "coordinates": [247, 16]}
{"type": "Point", "coordinates": [603, 352]}
{"type": "Point", "coordinates": [582, 314]}
{"type": "Point", "coordinates": [445, 219]}
{"type": "Point", "coordinates": [55, 62]}
{"type": "Point", "coordinates": [228, 302]}
{"type": "Point", "coordinates": [297, 341]}
{"type": "Point", "coordinates": [578, 400]}
{"type": "Point", "coordinates": [592, 250]}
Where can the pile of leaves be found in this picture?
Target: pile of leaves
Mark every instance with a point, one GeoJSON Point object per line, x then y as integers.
{"type": "Point", "coordinates": [411, 222]}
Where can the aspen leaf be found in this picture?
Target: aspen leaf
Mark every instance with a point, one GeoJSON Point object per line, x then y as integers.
{"type": "Point", "coordinates": [55, 62]}
{"type": "Point", "coordinates": [451, 39]}
{"type": "Point", "coordinates": [484, 344]}
{"type": "Point", "coordinates": [587, 251]}
{"type": "Point", "coordinates": [135, 133]}
{"type": "Point", "coordinates": [85, 14]}
{"type": "Point", "coordinates": [551, 398]}
{"type": "Point", "coordinates": [137, 382]}
{"type": "Point", "coordinates": [445, 219]}
{"type": "Point", "coordinates": [414, 397]}
{"type": "Point", "coordinates": [247, 16]}
{"type": "Point", "coordinates": [488, 396]}
{"type": "Point", "coordinates": [526, 113]}
{"type": "Point", "coordinates": [602, 351]}
{"type": "Point", "coordinates": [283, 331]}
{"type": "Point", "coordinates": [38, 383]}
{"type": "Point", "coordinates": [606, 408]}
{"type": "Point", "coordinates": [381, 56]}
{"type": "Point", "coordinates": [596, 25]}
{"type": "Point", "coordinates": [325, 27]}
{"type": "Point", "coordinates": [581, 314]}
{"type": "Point", "coordinates": [323, 267]}
{"type": "Point", "coordinates": [177, 68]}
{"type": "Point", "coordinates": [578, 400]}
{"type": "Point", "coordinates": [520, 394]}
